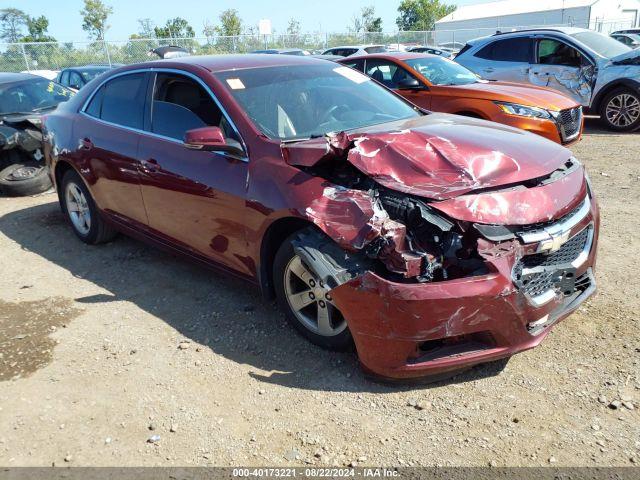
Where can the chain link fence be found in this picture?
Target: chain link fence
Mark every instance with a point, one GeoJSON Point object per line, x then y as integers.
{"type": "Point", "coordinates": [18, 57]}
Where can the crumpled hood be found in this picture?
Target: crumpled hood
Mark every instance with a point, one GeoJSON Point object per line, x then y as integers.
{"type": "Point", "coordinates": [437, 156]}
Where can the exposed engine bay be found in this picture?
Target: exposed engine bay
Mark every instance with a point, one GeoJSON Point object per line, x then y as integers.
{"type": "Point", "coordinates": [410, 236]}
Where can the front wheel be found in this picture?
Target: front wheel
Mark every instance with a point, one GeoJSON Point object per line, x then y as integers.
{"type": "Point", "coordinates": [304, 296]}
{"type": "Point", "coordinates": [81, 211]}
{"type": "Point", "coordinates": [620, 110]}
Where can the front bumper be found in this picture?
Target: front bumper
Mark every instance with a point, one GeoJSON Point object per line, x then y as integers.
{"type": "Point", "coordinates": [418, 330]}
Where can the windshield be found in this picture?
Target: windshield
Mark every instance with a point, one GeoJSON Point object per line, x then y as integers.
{"type": "Point", "coordinates": [441, 71]}
{"type": "Point", "coordinates": [601, 44]}
{"type": "Point", "coordinates": [31, 95]}
{"type": "Point", "coordinates": [89, 75]}
{"type": "Point", "coordinates": [303, 101]}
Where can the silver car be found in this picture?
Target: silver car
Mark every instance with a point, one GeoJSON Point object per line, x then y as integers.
{"type": "Point", "coordinates": [594, 69]}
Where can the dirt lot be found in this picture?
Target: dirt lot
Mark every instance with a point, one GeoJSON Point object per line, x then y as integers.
{"type": "Point", "coordinates": [92, 364]}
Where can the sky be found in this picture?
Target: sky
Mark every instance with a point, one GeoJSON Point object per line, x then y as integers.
{"type": "Point", "coordinates": [65, 22]}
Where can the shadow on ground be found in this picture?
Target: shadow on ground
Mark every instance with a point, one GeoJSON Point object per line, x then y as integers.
{"type": "Point", "coordinates": [221, 313]}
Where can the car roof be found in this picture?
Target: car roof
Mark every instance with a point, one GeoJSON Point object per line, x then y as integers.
{"type": "Point", "coordinates": [396, 55]}
{"type": "Point", "coordinates": [221, 63]}
{"type": "Point", "coordinates": [6, 77]}
{"type": "Point", "coordinates": [564, 30]}
{"type": "Point", "coordinates": [357, 46]}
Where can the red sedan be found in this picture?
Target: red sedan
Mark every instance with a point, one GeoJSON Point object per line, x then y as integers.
{"type": "Point", "coordinates": [434, 242]}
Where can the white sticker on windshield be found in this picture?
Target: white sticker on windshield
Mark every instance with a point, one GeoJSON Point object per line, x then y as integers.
{"type": "Point", "coordinates": [235, 83]}
{"type": "Point", "coordinates": [351, 74]}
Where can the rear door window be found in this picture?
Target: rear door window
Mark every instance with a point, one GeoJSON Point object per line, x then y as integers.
{"type": "Point", "coordinates": [357, 64]}
{"type": "Point", "coordinates": [508, 50]}
{"type": "Point", "coordinates": [387, 73]}
{"type": "Point", "coordinates": [123, 100]}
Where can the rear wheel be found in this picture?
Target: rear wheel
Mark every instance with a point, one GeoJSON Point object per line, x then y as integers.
{"type": "Point", "coordinates": [81, 211]}
{"type": "Point", "coordinates": [620, 110]}
{"type": "Point", "coordinates": [304, 295]}
{"type": "Point", "coordinates": [24, 178]}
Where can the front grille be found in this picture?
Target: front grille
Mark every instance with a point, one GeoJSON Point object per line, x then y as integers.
{"type": "Point", "coordinates": [569, 123]}
{"type": "Point", "coordinates": [541, 273]}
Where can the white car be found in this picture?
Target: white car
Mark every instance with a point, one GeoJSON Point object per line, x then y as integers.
{"type": "Point", "coordinates": [348, 50]}
{"type": "Point", "coordinates": [48, 74]}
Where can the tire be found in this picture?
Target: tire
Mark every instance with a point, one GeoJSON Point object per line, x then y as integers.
{"type": "Point", "coordinates": [627, 100]}
{"type": "Point", "coordinates": [321, 265]}
{"type": "Point", "coordinates": [24, 178]}
{"type": "Point", "coordinates": [81, 211]}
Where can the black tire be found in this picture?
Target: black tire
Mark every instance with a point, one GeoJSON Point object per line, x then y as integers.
{"type": "Point", "coordinates": [330, 264]}
{"type": "Point", "coordinates": [24, 178]}
{"type": "Point", "coordinates": [99, 231]}
{"type": "Point", "coordinates": [610, 98]}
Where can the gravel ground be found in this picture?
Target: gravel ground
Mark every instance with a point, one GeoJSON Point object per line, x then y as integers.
{"type": "Point", "coordinates": [124, 355]}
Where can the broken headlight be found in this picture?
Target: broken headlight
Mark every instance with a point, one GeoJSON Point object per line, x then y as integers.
{"type": "Point", "coordinates": [523, 110]}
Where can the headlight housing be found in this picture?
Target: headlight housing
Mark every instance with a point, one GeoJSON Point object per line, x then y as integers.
{"type": "Point", "coordinates": [523, 110]}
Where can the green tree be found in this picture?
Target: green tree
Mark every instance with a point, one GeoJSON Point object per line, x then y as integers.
{"type": "Point", "coordinates": [12, 23]}
{"type": "Point", "coordinates": [38, 27]}
{"type": "Point", "coordinates": [366, 21]}
{"type": "Point", "coordinates": [421, 14]}
{"type": "Point", "coordinates": [94, 18]}
{"type": "Point", "coordinates": [230, 23]}
{"type": "Point", "coordinates": [145, 28]}
{"type": "Point", "coordinates": [293, 28]}
{"type": "Point", "coordinates": [175, 28]}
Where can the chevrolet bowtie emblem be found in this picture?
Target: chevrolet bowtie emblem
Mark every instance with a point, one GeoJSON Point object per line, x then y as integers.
{"type": "Point", "coordinates": [555, 242]}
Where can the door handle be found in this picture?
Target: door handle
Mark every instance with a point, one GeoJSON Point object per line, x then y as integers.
{"type": "Point", "coordinates": [86, 144]}
{"type": "Point", "coordinates": [151, 165]}
{"type": "Point", "coordinates": [489, 69]}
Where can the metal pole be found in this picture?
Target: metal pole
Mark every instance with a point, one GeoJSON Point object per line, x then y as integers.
{"type": "Point", "coordinates": [26, 59]}
{"type": "Point", "coordinates": [106, 49]}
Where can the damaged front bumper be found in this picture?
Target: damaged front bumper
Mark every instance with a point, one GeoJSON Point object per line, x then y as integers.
{"type": "Point", "coordinates": [404, 330]}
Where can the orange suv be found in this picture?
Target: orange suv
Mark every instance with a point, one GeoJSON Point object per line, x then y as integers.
{"type": "Point", "coordinates": [441, 85]}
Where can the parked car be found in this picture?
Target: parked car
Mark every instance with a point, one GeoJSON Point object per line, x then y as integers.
{"type": "Point", "coordinates": [438, 84]}
{"type": "Point", "coordinates": [451, 47]}
{"type": "Point", "coordinates": [48, 74]}
{"type": "Point", "coordinates": [433, 241]}
{"type": "Point", "coordinates": [431, 50]}
{"type": "Point", "coordinates": [77, 77]}
{"type": "Point", "coordinates": [169, 51]}
{"type": "Point", "coordinates": [629, 39]}
{"type": "Point", "coordinates": [283, 51]}
{"type": "Point", "coordinates": [629, 30]}
{"type": "Point", "coordinates": [599, 72]}
{"type": "Point", "coordinates": [24, 98]}
{"type": "Point", "coordinates": [347, 51]}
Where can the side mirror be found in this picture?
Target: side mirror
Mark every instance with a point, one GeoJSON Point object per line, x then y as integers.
{"type": "Point", "coordinates": [409, 84]}
{"type": "Point", "coordinates": [210, 139]}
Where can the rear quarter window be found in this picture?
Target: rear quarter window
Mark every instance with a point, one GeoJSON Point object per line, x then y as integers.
{"type": "Point", "coordinates": [508, 50]}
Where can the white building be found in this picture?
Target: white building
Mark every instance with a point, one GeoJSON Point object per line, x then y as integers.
{"type": "Point", "coordinates": [471, 21]}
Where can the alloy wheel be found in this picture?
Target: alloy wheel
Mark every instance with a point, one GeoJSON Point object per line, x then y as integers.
{"type": "Point", "coordinates": [623, 110]}
{"type": "Point", "coordinates": [311, 301]}
{"type": "Point", "coordinates": [78, 208]}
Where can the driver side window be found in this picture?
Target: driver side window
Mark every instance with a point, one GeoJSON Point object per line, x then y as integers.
{"type": "Point", "coordinates": [181, 104]}
{"type": "Point", "coordinates": [555, 52]}
{"type": "Point", "coordinates": [387, 73]}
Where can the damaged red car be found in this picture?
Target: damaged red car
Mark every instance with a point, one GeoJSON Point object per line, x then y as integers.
{"type": "Point", "coordinates": [431, 241]}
